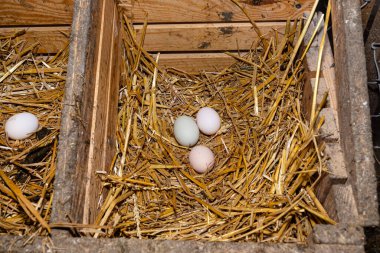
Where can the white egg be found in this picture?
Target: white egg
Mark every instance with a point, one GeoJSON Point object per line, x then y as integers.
{"type": "Point", "coordinates": [186, 131]}
{"type": "Point", "coordinates": [21, 125]}
{"type": "Point", "coordinates": [201, 158]}
{"type": "Point", "coordinates": [208, 121]}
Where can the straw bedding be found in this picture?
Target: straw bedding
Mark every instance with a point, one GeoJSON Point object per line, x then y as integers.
{"type": "Point", "coordinates": [268, 155]}
{"type": "Point", "coordinates": [29, 83]}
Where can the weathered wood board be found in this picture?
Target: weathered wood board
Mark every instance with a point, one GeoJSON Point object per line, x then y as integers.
{"type": "Point", "coordinates": [50, 39]}
{"type": "Point", "coordinates": [353, 108]}
{"type": "Point", "coordinates": [122, 245]}
{"type": "Point", "coordinates": [195, 11]}
{"type": "Point", "coordinates": [193, 62]}
{"type": "Point", "coordinates": [206, 36]}
{"type": "Point", "coordinates": [36, 12]}
{"type": "Point", "coordinates": [92, 87]}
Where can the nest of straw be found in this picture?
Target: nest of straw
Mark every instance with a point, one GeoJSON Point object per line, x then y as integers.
{"type": "Point", "coordinates": [29, 83]}
{"type": "Point", "coordinates": [268, 158]}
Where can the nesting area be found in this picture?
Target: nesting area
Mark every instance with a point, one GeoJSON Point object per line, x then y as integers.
{"type": "Point", "coordinates": [32, 83]}
{"type": "Point", "coordinates": [268, 155]}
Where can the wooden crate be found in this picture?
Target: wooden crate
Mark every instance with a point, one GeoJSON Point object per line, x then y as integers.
{"type": "Point", "coordinates": [192, 35]}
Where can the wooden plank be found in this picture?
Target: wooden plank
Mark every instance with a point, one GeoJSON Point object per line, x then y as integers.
{"type": "Point", "coordinates": [353, 108]}
{"type": "Point", "coordinates": [36, 12]}
{"type": "Point", "coordinates": [204, 37]}
{"type": "Point", "coordinates": [73, 123]}
{"type": "Point", "coordinates": [97, 109]}
{"type": "Point", "coordinates": [335, 163]}
{"type": "Point", "coordinates": [87, 138]}
{"type": "Point", "coordinates": [174, 11]}
{"type": "Point", "coordinates": [9, 243]}
{"type": "Point", "coordinates": [329, 131]}
{"type": "Point", "coordinates": [341, 234]}
{"type": "Point", "coordinates": [98, 112]}
{"type": "Point", "coordinates": [104, 109]}
{"type": "Point", "coordinates": [338, 248]}
{"type": "Point", "coordinates": [195, 62]}
{"type": "Point", "coordinates": [346, 206]}
{"type": "Point", "coordinates": [51, 39]}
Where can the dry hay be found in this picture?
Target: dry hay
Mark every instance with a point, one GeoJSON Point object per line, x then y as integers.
{"type": "Point", "coordinates": [268, 157]}
{"type": "Point", "coordinates": [29, 83]}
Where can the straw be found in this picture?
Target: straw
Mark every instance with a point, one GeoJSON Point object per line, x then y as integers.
{"type": "Point", "coordinates": [30, 83]}
{"type": "Point", "coordinates": [268, 161]}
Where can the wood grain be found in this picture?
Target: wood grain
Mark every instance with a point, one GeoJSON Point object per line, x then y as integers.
{"type": "Point", "coordinates": [346, 206]}
{"type": "Point", "coordinates": [174, 11]}
{"type": "Point", "coordinates": [87, 136]}
{"type": "Point", "coordinates": [72, 138]}
{"type": "Point", "coordinates": [335, 163]}
{"type": "Point", "coordinates": [195, 62]}
{"type": "Point", "coordinates": [348, 241]}
{"type": "Point", "coordinates": [36, 12]}
{"type": "Point", "coordinates": [101, 111]}
{"type": "Point", "coordinates": [205, 37]}
{"type": "Point", "coordinates": [51, 39]}
{"type": "Point", "coordinates": [104, 110]}
{"type": "Point", "coordinates": [353, 108]}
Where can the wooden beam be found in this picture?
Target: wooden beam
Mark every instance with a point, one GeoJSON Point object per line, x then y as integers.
{"type": "Point", "coordinates": [36, 12]}
{"type": "Point", "coordinates": [174, 11]}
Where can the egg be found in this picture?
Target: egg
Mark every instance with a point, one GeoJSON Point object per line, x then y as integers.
{"type": "Point", "coordinates": [208, 121]}
{"type": "Point", "coordinates": [201, 158]}
{"type": "Point", "coordinates": [186, 131]}
{"type": "Point", "coordinates": [21, 125]}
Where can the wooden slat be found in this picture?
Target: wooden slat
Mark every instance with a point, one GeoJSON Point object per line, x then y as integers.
{"type": "Point", "coordinates": [175, 11]}
{"type": "Point", "coordinates": [36, 12]}
{"type": "Point", "coordinates": [99, 112]}
{"type": "Point", "coordinates": [104, 110]}
{"type": "Point", "coordinates": [89, 115]}
{"type": "Point", "coordinates": [343, 238]}
{"type": "Point", "coordinates": [51, 39]}
{"type": "Point", "coordinates": [353, 106]}
{"type": "Point", "coordinates": [204, 37]}
{"type": "Point", "coordinates": [195, 62]}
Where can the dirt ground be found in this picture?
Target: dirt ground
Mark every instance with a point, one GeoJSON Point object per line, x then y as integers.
{"type": "Point", "coordinates": [373, 234]}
